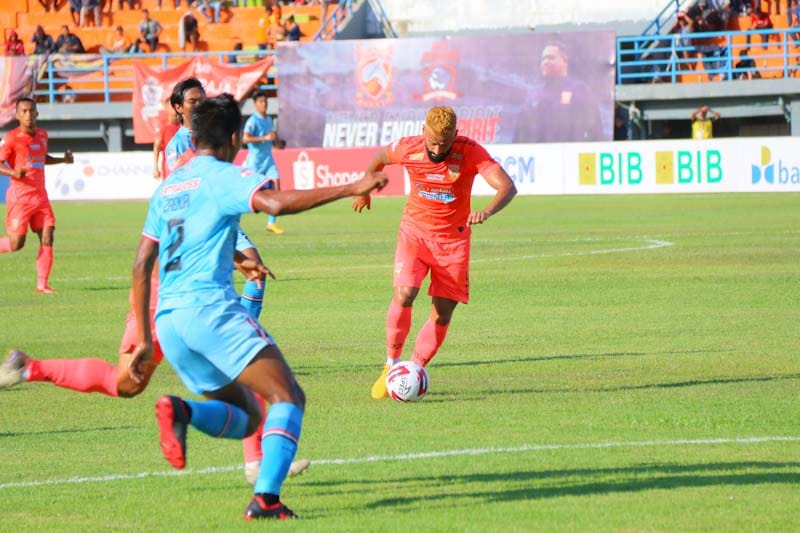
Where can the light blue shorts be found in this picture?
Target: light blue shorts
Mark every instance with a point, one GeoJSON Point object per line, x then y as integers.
{"type": "Point", "coordinates": [210, 346]}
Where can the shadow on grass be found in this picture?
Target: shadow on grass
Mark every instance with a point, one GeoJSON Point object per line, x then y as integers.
{"type": "Point", "coordinates": [87, 431]}
{"type": "Point", "coordinates": [580, 482]}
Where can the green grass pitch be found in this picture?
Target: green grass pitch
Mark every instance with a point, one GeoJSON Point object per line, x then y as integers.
{"type": "Point", "coordinates": [627, 363]}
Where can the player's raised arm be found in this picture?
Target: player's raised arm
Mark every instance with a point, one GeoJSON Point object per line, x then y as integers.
{"type": "Point", "coordinates": [374, 169]}
{"type": "Point", "coordinates": [499, 180]}
{"type": "Point", "coordinates": [288, 202]}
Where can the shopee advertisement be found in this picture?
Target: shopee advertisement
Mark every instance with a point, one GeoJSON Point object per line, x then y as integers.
{"type": "Point", "coordinates": [311, 168]}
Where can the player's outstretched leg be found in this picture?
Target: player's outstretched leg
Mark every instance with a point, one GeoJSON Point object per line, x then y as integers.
{"type": "Point", "coordinates": [13, 368]}
{"type": "Point", "coordinates": [215, 418]}
{"type": "Point", "coordinates": [173, 419]}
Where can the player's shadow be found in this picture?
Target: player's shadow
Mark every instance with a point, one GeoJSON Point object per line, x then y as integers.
{"type": "Point", "coordinates": [565, 357]}
{"type": "Point", "coordinates": [537, 485]}
{"type": "Point", "coordinates": [67, 431]}
{"type": "Point", "coordinates": [482, 394]}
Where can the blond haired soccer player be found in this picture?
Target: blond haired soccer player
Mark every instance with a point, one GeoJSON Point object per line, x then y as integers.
{"type": "Point", "coordinates": [24, 150]}
{"type": "Point", "coordinates": [434, 235]}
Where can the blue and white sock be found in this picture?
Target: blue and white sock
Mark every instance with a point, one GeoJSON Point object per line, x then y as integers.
{"type": "Point", "coordinates": [218, 419]}
{"type": "Point", "coordinates": [279, 445]}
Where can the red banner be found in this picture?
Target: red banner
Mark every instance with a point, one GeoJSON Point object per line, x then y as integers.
{"type": "Point", "coordinates": [311, 168]}
{"type": "Point", "coordinates": [16, 81]}
{"type": "Point", "coordinates": [152, 87]}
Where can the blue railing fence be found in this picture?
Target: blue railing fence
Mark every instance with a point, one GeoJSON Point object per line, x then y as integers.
{"type": "Point", "coordinates": [671, 57]}
{"type": "Point", "coordinates": [99, 78]}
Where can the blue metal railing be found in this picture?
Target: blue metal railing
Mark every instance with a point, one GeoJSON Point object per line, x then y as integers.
{"type": "Point", "coordinates": [330, 26]}
{"type": "Point", "coordinates": [671, 56]}
{"type": "Point", "coordinates": [115, 75]}
{"type": "Point", "coordinates": [666, 19]}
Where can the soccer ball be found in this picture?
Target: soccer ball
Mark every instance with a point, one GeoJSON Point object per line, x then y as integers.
{"type": "Point", "coordinates": [407, 382]}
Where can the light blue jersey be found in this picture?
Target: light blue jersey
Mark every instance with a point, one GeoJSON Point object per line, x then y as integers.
{"type": "Point", "coordinates": [259, 155]}
{"type": "Point", "coordinates": [180, 143]}
{"type": "Point", "coordinates": [194, 216]}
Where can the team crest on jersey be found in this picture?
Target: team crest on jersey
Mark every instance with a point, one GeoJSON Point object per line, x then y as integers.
{"type": "Point", "coordinates": [453, 171]}
{"type": "Point", "coordinates": [416, 157]}
{"type": "Point", "coordinates": [439, 74]}
{"type": "Point", "coordinates": [374, 75]}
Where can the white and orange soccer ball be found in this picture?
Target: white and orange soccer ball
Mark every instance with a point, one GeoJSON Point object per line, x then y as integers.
{"type": "Point", "coordinates": [407, 382]}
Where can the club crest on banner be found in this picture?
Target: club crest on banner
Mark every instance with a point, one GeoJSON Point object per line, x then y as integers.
{"type": "Point", "coordinates": [439, 74]}
{"type": "Point", "coordinates": [373, 75]}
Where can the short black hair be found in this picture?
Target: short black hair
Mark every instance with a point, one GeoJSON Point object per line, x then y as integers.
{"type": "Point", "coordinates": [180, 89]}
{"type": "Point", "coordinates": [215, 120]}
{"type": "Point", "coordinates": [259, 94]}
{"type": "Point", "coordinates": [25, 99]}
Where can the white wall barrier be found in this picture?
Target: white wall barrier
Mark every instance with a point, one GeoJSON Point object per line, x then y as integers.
{"type": "Point", "coordinates": [103, 176]}
{"type": "Point", "coordinates": [759, 164]}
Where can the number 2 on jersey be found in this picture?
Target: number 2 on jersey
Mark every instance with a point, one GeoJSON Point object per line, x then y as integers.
{"type": "Point", "coordinates": [175, 226]}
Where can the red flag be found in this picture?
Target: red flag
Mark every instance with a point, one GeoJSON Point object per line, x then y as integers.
{"type": "Point", "coordinates": [152, 87]}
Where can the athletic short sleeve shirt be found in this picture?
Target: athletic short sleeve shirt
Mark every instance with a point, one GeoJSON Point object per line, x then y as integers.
{"type": "Point", "coordinates": [21, 150]}
{"type": "Point", "coordinates": [259, 155]}
{"type": "Point", "coordinates": [439, 201]}
{"type": "Point", "coordinates": [194, 216]}
{"type": "Point", "coordinates": [180, 142]}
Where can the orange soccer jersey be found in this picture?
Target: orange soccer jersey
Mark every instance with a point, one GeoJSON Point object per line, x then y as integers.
{"type": "Point", "coordinates": [21, 150]}
{"type": "Point", "coordinates": [439, 201]}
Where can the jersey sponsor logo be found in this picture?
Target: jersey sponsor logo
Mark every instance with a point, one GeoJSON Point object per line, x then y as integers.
{"type": "Point", "coordinates": [34, 146]}
{"type": "Point", "coordinates": [416, 157]}
{"type": "Point", "coordinates": [170, 190]}
{"type": "Point", "coordinates": [436, 194]}
{"type": "Point", "coordinates": [434, 177]}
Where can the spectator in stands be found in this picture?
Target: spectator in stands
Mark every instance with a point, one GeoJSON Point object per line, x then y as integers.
{"type": "Point", "coordinates": [130, 4]}
{"type": "Point", "coordinates": [95, 7]}
{"type": "Point", "coordinates": [191, 31]}
{"type": "Point", "coordinates": [687, 51]}
{"type": "Point", "coordinates": [68, 43]}
{"type": "Point", "coordinates": [760, 20]}
{"type": "Point", "coordinates": [711, 17]}
{"type": "Point", "coordinates": [149, 30]}
{"type": "Point", "coordinates": [793, 18]}
{"type": "Point", "coordinates": [66, 94]}
{"type": "Point", "coordinates": [47, 4]}
{"type": "Point", "coordinates": [291, 29]}
{"type": "Point", "coordinates": [267, 25]}
{"type": "Point", "coordinates": [621, 123]}
{"type": "Point", "coordinates": [233, 58]}
{"type": "Point", "coordinates": [211, 9]}
{"type": "Point", "coordinates": [14, 46]}
{"type": "Point", "coordinates": [75, 10]}
{"type": "Point", "coordinates": [118, 43]}
{"type": "Point", "coordinates": [702, 127]}
{"type": "Point", "coordinates": [42, 42]}
{"type": "Point", "coordinates": [561, 107]}
{"type": "Point", "coordinates": [745, 68]}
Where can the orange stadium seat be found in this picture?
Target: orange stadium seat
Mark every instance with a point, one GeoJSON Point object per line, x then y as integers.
{"type": "Point", "coordinates": [240, 26]}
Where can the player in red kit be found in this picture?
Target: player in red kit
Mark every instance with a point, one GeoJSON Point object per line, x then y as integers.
{"type": "Point", "coordinates": [435, 231]}
{"type": "Point", "coordinates": [24, 150]}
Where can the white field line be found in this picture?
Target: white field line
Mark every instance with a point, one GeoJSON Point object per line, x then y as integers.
{"type": "Point", "coordinates": [409, 457]}
{"type": "Point", "coordinates": [647, 244]}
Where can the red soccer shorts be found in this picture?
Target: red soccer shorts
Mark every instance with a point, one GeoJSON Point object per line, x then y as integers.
{"type": "Point", "coordinates": [130, 339]}
{"type": "Point", "coordinates": [447, 259]}
{"type": "Point", "coordinates": [37, 214]}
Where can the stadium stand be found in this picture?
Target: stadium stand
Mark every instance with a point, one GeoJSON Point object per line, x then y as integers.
{"type": "Point", "coordinates": [240, 26]}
